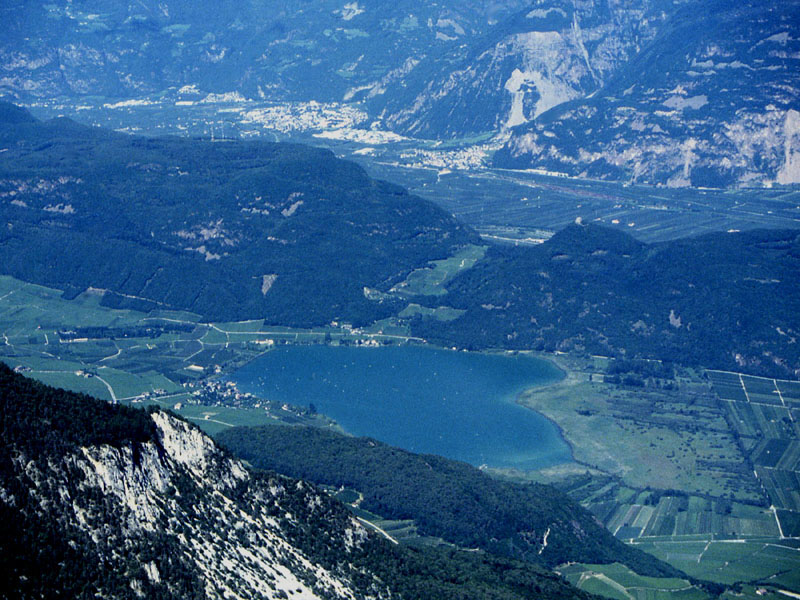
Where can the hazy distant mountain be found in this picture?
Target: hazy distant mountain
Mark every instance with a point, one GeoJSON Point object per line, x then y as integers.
{"type": "Point", "coordinates": [330, 50]}
{"type": "Point", "coordinates": [674, 92]}
{"type": "Point", "coordinates": [551, 52]}
{"type": "Point", "coordinates": [713, 100]}
{"type": "Point", "coordinates": [431, 69]}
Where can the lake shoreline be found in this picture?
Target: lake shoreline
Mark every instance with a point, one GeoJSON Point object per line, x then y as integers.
{"type": "Point", "coordinates": [458, 404]}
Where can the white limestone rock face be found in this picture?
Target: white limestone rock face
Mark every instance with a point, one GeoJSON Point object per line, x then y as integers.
{"type": "Point", "coordinates": [232, 529]}
{"type": "Point", "coordinates": [790, 171]}
{"type": "Point", "coordinates": [543, 57]}
{"type": "Point", "coordinates": [712, 101]}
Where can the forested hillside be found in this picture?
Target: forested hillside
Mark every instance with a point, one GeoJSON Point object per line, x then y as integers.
{"type": "Point", "coordinates": [724, 300]}
{"type": "Point", "coordinates": [292, 235]}
{"type": "Point", "coordinates": [445, 498]}
{"type": "Point", "coordinates": [229, 230]}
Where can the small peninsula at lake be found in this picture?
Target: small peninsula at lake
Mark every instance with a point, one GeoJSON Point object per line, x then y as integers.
{"type": "Point", "coordinates": [460, 405]}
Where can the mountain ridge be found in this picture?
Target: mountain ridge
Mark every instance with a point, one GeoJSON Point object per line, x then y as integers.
{"type": "Point", "coordinates": [228, 230]}
{"type": "Point", "coordinates": [445, 498]}
{"type": "Point", "coordinates": [595, 289]}
{"type": "Point", "coordinates": [711, 101]}
{"type": "Point", "coordinates": [131, 504]}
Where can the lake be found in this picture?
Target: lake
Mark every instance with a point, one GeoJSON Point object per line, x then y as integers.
{"type": "Point", "coordinates": [460, 405]}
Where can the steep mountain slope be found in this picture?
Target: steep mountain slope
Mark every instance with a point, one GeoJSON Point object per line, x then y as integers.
{"type": "Point", "coordinates": [713, 100]}
{"type": "Point", "coordinates": [446, 498]}
{"type": "Point", "coordinates": [674, 92]}
{"type": "Point", "coordinates": [99, 500]}
{"type": "Point", "coordinates": [552, 52]}
{"type": "Point", "coordinates": [434, 69]}
{"type": "Point", "coordinates": [330, 50]}
{"type": "Point", "coordinates": [165, 512]}
{"type": "Point", "coordinates": [229, 230]}
{"type": "Point", "coordinates": [725, 300]}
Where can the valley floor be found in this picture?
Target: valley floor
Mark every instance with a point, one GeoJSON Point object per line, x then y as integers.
{"type": "Point", "coordinates": [702, 470]}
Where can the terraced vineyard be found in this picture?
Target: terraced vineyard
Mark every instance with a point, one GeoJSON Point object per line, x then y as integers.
{"type": "Point", "coordinates": [730, 433]}
{"type": "Point", "coordinates": [764, 413]}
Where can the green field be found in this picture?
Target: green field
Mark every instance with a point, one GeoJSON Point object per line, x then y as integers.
{"type": "Point", "coordinates": [667, 439]}
{"type": "Point", "coordinates": [213, 419]}
{"type": "Point", "coordinates": [619, 582]}
{"type": "Point", "coordinates": [74, 382]}
{"type": "Point", "coordinates": [633, 514]}
{"type": "Point", "coordinates": [677, 469]}
{"type": "Point", "coordinates": [717, 521]}
{"type": "Point", "coordinates": [731, 561]}
{"type": "Point", "coordinates": [760, 410]}
{"type": "Point", "coordinates": [27, 309]}
{"type": "Point", "coordinates": [442, 313]}
{"type": "Point", "coordinates": [431, 280]}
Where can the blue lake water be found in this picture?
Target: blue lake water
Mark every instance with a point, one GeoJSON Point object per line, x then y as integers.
{"type": "Point", "coordinates": [456, 404]}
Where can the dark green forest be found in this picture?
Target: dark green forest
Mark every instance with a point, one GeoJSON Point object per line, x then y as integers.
{"type": "Point", "coordinates": [722, 300]}
{"type": "Point", "coordinates": [446, 498]}
{"type": "Point", "coordinates": [230, 230]}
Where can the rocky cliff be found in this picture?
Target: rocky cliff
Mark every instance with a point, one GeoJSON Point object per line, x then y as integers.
{"type": "Point", "coordinates": [711, 101]}
{"type": "Point", "coordinates": [99, 500]}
